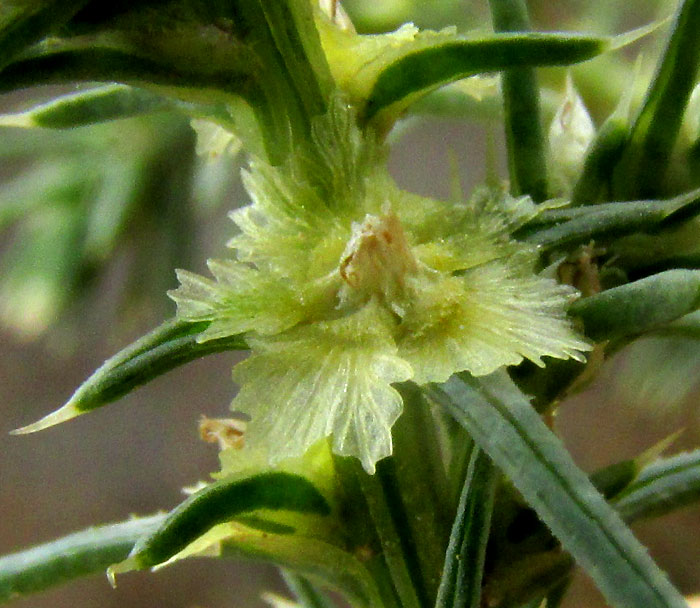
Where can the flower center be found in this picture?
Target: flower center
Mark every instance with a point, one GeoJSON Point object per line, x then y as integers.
{"type": "Point", "coordinates": [377, 260]}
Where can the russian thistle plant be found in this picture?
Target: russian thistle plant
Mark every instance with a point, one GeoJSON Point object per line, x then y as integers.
{"type": "Point", "coordinates": [392, 428]}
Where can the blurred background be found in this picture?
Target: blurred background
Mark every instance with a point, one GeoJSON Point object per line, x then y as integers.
{"type": "Point", "coordinates": [93, 223]}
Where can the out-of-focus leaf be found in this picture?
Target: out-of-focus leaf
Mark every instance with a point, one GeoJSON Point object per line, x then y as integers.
{"type": "Point", "coordinates": [502, 422]}
{"type": "Point", "coordinates": [656, 376]}
{"type": "Point", "coordinates": [42, 265]}
{"type": "Point", "coordinates": [24, 23]}
{"type": "Point", "coordinates": [605, 150]}
{"type": "Point", "coordinates": [663, 486]}
{"type": "Point", "coordinates": [170, 345]}
{"type": "Point", "coordinates": [307, 595]}
{"type": "Point", "coordinates": [100, 104]}
{"type": "Point", "coordinates": [79, 554]}
{"type": "Point", "coordinates": [655, 130]}
{"type": "Point", "coordinates": [640, 306]}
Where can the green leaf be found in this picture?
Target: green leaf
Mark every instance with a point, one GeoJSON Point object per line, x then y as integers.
{"type": "Point", "coordinates": [525, 140]}
{"type": "Point", "coordinates": [504, 425]}
{"type": "Point", "coordinates": [79, 554]}
{"type": "Point", "coordinates": [606, 150]}
{"type": "Point", "coordinates": [663, 486]}
{"type": "Point", "coordinates": [295, 36]}
{"type": "Point", "coordinates": [170, 345]}
{"type": "Point", "coordinates": [219, 503]}
{"type": "Point", "coordinates": [64, 63]}
{"type": "Point", "coordinates": [24, 23]}
{"type": "Point", "coordinates": [685, 327]}
{"type": "Point", "coordinates": [428, 507]}
{"type": "Point", "coordinates": [610, 481]}
{"type": "Point", "coordinates": [95, 105]}
{"type": "Point", "coordinates": [632, 309]}
{"type": "Point", "coordinates": [656, 127]}
{"type": "Point", "coordinates": [389, 517]}
{"type": "Point", "coordinates": [318, 561]}
{"type": "Point", "coordinates": [462, 575]}
{"type": "Point", "coordinates": [575, 225]}
{"type": "Point", "coordinates": [417, 73]}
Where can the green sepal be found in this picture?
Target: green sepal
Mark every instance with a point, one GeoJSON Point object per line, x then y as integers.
{"type": "Point", "coordinates": [502, 422]}
{"type": "Point", "coordinates": [99, 104]}
{"type": "Point", "coordinates": [170, 345]}
{"type": "Point", "coordinates": [416, 460]}
{"type": "Point", "coordinates": [575, 225]}
{"type": "Point", "coordinates": [73, 556]}
{"type": "Point", "coordinates": [219, 503]}
{"type": "Point", "coordinates": [662, 487]}
{"type": "Point", "coordinates": [640, 306]}
{"type": "Point", "coordinates": [461, 583]}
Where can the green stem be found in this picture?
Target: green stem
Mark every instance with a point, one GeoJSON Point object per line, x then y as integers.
{"type": "Point", "coordinates": [524, 136]}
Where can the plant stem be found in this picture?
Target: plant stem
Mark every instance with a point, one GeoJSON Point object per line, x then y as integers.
{"type": "Point", "coordinates": [523, 123]}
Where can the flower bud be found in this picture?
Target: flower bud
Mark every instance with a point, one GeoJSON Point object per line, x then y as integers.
{"type": "Point", "coordinates": [214, 141]}
{"type": "Point", "coordinates": [570, 133]}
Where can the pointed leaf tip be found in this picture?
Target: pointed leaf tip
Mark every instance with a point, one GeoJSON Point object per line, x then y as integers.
{"type": "Point", "coordinates": [127, 565]}
{"type": "Point", "coordinates": [62, 414]}
{"type": "Point", "coordinates": [627, 38]}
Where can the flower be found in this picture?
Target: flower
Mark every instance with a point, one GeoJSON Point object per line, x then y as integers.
{"type": "Point", "coordinates": [344, 284]}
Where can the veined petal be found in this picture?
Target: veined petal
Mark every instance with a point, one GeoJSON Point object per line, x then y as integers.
{"type": "Point", "coordinates": [300, 216]}
{"type": "Point", "coordinates": [241, 299]}
{"type": "Point", "coordinates": [328, 378]}
{"type": "Point", "coordinates": [491, 316]}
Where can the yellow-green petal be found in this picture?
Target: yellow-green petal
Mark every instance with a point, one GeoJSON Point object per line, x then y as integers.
{"type": "Point", "coordinates": [241, 299]}
{"type": "Point", "coordinates": [490, 317]}
{"type": "Point", "coordinates": [328, 378]}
